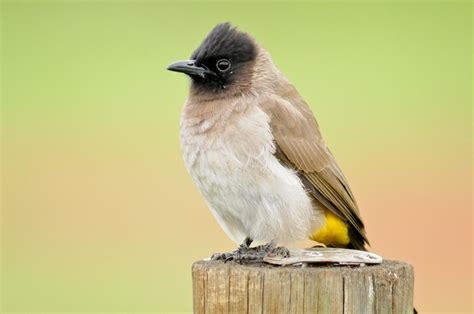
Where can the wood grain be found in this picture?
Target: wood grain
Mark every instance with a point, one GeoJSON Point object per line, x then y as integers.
{"type": "Point", "coordinates": [232, 288]}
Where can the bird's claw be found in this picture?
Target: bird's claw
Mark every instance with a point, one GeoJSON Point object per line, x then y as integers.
{"type": "Point", "coordinates": [239, 257]}
{"type": "Point", "coordinates": [279, 251]}
{"type": "Point", "coordinates": [246, 255]}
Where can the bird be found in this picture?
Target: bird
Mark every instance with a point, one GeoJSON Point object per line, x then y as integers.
{"type": "Point", "coordinates": [255, 151]}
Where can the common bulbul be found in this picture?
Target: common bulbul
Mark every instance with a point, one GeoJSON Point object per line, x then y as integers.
{"type": "Point", "coordinates": [255, 151]}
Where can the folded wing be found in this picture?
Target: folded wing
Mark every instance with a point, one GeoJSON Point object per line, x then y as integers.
{"type": "Point", "coordinates": [299, 145]}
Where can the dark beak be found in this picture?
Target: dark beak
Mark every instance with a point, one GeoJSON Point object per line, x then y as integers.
{"type": "Point", "coordinates": [189, 67]}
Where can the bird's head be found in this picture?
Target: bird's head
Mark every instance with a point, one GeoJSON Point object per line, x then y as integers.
{"type": "Point", "coordinates": [222, 64]}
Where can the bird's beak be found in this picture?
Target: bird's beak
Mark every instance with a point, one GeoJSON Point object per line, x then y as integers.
{"type": "Point", "coordinates": [189, 67]}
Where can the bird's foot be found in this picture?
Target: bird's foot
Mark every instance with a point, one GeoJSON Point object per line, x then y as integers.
{"type": "Point", "coordinates": [245, 246]}
{"type": "Point", "coordinates": [243, 254]}
{"type": "Point", "coordinates": [246, 255]}
{"type": "Point", "coordinates": [269, 249]}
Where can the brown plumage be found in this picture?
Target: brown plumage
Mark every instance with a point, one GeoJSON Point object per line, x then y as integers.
{"type": "Point", "coordinates": [300, 146]}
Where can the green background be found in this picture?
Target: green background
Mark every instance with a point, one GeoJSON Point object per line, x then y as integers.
{"type": "Point", "coordinates": [98, 212]}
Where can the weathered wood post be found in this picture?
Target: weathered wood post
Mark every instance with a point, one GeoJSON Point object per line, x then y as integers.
{"type": "Point", "coordinates": [220, 287]}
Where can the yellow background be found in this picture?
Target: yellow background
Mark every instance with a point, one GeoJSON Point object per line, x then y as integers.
{"type": "Point", "coordinates": [98, 212]}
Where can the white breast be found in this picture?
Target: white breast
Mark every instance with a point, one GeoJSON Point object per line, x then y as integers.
{"type": "Point", "coordinates": [230, 158]}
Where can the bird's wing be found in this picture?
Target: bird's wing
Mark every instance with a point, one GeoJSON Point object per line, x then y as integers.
{"type": "Point", "coordinates": [300, 146]}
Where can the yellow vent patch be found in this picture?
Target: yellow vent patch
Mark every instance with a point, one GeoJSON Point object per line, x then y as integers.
{"type": "Point", "coordinates": [334, 232]}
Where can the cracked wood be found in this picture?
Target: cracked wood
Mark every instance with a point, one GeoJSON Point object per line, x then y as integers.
{"type": "Point", "coordinates": [232, 288]}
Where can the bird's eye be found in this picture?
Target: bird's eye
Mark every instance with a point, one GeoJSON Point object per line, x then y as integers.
{"type": "Point", "coordinates": [223, 65]}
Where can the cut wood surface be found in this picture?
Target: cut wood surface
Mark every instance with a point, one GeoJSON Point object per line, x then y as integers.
{"type": "Point", "coordinates": [220, 287]}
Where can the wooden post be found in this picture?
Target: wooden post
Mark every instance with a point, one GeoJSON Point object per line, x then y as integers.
{"type": "Point", "coordinates": [220, 287]}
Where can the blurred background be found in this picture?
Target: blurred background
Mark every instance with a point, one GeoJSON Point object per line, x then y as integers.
{"type": "Point", "coordinates": [98, 212]}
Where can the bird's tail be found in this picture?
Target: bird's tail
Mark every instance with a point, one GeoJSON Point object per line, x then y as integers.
{"type": "Point", "coordinates": [356, 241]}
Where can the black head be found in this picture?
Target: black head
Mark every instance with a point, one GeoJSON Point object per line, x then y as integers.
{"type": "Point", "coordinates": [221, 61]}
